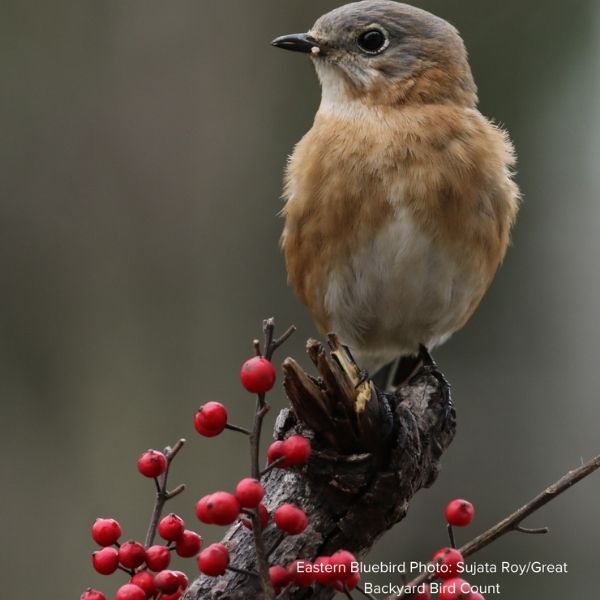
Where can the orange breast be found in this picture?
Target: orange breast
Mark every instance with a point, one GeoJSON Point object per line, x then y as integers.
{"type": "Point", "coordinates": [348, 176]}
{"type": "Point", "coordinates": [335, 203]}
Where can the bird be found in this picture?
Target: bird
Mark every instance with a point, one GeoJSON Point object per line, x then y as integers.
{"type": "Point", "coordinates": [400, 199]}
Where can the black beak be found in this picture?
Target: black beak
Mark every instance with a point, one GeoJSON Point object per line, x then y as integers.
{"type": "Point", "coordinates": [298, 42]}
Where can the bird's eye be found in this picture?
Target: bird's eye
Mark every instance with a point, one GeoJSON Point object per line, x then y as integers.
{"type": "Point", "coordinates": [372, 41]}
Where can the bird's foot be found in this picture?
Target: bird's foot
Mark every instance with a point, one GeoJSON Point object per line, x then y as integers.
{"type": "Point", "coordinates": [429, 367]}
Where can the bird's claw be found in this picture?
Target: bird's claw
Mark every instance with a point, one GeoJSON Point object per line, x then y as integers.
{"type": "Point", "coordinates": [429, 367]}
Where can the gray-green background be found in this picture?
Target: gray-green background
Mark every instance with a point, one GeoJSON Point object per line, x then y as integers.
{"type": "Point", "coordinates": [141, 151]}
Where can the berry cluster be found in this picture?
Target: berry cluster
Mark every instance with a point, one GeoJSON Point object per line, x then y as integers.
{"type": "Point", "coordinates": [146, 564]}
{"type": "Point", "coordinates": [245, 503]}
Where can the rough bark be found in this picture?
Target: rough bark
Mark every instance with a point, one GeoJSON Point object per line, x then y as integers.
{"type": "Point", "coordinates": [372, 452]}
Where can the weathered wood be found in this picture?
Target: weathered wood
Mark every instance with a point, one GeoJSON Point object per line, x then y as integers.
{"type": "Point", "coordinates": [372, 452]}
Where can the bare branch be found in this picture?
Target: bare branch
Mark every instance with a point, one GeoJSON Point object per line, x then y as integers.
{"type": "Point", "coordinates": [513, 521]}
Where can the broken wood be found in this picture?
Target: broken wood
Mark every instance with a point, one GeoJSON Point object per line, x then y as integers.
{"type": "Point", "coordinates": [372, 451]}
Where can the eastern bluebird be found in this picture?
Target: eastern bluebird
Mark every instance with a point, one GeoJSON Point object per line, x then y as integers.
{"type": "Point", "coordinates": [400, 198]}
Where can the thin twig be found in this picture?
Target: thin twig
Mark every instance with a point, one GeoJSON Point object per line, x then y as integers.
{"type": "Point", "coordinates": [238, 429]}
{"type": "Point", "coordinates": [280, 537]}
{"type": "Point", "coordinates": [255, 436]}
{"type": "Point", "coordinates": [261, 556]}
{"type": "Point", "coordinates": [175, 492]}
{"type": "Point", "coordinates": [534, 531]}
{"type": "Point", "coordinates": [513, 521]}
{"type": "Point", "coordinates": [171, 453]}
{"type": "Point", "coordinates": [269, 331]}
{"type": "Point", "coordinates": [271, 344]}
{"type": "Point", "coordinates": [451, 535]}
{"type": "Point", "coordinates": [242, 571]}
{"type": "Point", "coordinates": [159, 503]}
{"type": "Point", "coordinates": [162, 495]}
{"type": "Point", "coordinates": [282, 339]}
{"type": "Point", "coordinates": [271, 466]}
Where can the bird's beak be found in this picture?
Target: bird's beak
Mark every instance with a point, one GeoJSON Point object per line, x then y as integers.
{"type": "Point", "coordinates": [298, 42]}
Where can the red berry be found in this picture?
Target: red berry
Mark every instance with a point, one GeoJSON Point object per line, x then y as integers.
{"type": "Point", "coordinates": [279, 577]}
{"type": "Point", "coordinates": [263, 516]}
{"type": "Point", "coordinates": [106, 531]}
{"type": "Point", "coordinates": [291, 519]}
{"type": "Point", "coordinates": [249, 492]}
{"type": "Point", "coordinates": [323, 570]}
{"type": "Point", "coordinates": [347, 584]}
{"type": "Point", "coordinates": [211, 418]}
{"type": "Point", "coordinates": [455, 589]}
{"type": "Point", "coordinates": [188, 544]}
{"type": "Point", "coordinates": [152, 463]}
{"type": "Point", "coordinates": [459, 512]}
{"type": "Point", "coordinates": [130, 592]}
{"type": "Point", "coordinates": [277, 450]}
{"type": "Point", "coordinates": [343, 562]}
{"type": "Point", "coordinates": [448, 561]}
{"type": "Point", "coordinates": [220, 508]}
{"type": "Point", "coordinates": [171, 527]}
{"type": "Point", "coordinates": [132, 554]}
{"type": "Point", "coordinates": [183, 580]}
{"type": "Point", "coordinates": [224, 508]}
{"type": "Point", "coordinates": [91, 594]}
{"type": "Point", "coordinates": [352, 581]}
{"type": "Point", "coordinates": [167, 582]}
{"type": "Point", "coordinates": [202, 511]}
{"type": "Point", "coordinates": [174, 596]}
{"type": "Point", "coordinates": [423, 592]}
{"type": "Point", "coordinates": [145, 580]}
{"type": "Point", "coordinates": [258, 375]}
{"type": "Point", "coordinates": [301, 573]}
{"type": "Point", "coordinates": [296, 449]}
{"type": "Point", "coordinates": [105, 561]}
{"type": "Point", "coordinates": [213, 560]}
{"type": "Point", "coordinates": [158, 557]}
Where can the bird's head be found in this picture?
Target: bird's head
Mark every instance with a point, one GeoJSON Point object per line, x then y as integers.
{"type": "Point", "coordinates": [384, 53]}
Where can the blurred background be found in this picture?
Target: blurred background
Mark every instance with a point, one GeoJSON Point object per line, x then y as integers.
{"type": "Point", "coordinates": [142, 149]}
